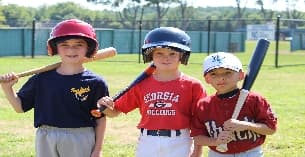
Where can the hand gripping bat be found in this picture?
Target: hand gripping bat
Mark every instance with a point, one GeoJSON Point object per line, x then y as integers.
{"type": "Point", "coordinates": [253, 69]}
{"type": "Point", "coordinates": [101, 54]}
{"type": "Point", "coordinates": [146, 73]}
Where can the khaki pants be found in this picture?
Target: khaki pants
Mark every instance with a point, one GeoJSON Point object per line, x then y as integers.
{"type": "Point", "coordinates": [64, 142]}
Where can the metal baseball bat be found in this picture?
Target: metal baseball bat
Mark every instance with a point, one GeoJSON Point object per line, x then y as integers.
{"type": "Point", "coordinates": [101, 54]}
{"type": "Point", "coordinates": [146, 73]}
{"type": "Point", "coordinates": [253, 69]}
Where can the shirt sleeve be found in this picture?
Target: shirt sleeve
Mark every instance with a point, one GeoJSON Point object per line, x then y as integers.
{"type": "Point", "coordinates": [128, 101]}
{"type": "Point", "coordinates": [27, 94]}
{"type": "Point", "coordinates": [265, 114]}
{"type": "Point", "coordinates": [100, 91]}
{"type": "Point", "coordinates": [197, 123]}
{"type": "Point", "coordinates": [199, 92]}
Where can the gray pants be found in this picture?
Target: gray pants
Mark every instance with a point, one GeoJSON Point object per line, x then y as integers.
{"type": "Point", "coordinates": [255, 152]}
{"type": "Point", "coordinates": [64, 142]}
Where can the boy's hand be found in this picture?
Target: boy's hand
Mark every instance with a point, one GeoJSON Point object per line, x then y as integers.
{"type": "Point", "coordinates": [235, 125]}
{"type": "Point", "coordinates": [9, 79]}
{"type": "Point", "coordinates": [224, 137]}
{"type": "Point", "coordinates": [106, 101]}
{"type": "Point", "coordinates": [105, 106]}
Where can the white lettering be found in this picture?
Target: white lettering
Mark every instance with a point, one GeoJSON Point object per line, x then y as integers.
{"type": "Point", "coordinates": [161, 112]}
{"type": "Point", "coordinates": [214, 131]}
{"type": "Point", "coordinates": [161, 96]}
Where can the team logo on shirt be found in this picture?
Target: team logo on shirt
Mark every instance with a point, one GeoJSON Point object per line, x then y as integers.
{"type": "Point", "coordinates": [81, 94]}
{"type": "Point", "coordinates": [161, 103]}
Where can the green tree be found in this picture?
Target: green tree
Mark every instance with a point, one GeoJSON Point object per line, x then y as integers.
{"type": "Point", "coordinates": [2, 17]}
{"type": "Point", "coordinates": [18, 16]}
{"type": "Point", "coordinates": [128, 16]}
{"type": "Point", "coordinates": [162, 7]}
{"type": "Point", "coordinates": [267, 14]}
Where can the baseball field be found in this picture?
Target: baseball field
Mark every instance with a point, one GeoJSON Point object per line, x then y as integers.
{"type": "Point", "coordinates": [284, 87]}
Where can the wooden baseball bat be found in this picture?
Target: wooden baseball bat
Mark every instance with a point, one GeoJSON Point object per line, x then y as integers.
{"type": "Point", "coordinates": [142, 76]}
{"type": "Point", "coordinates": [101, 54]}
{"type": "Point", "coordinates": [253, 69]}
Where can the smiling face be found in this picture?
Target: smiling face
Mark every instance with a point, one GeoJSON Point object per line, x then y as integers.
{"type": "Point", "coordinates": [224, 80]}
{"type": "Point", "coordinates": [72, 51]}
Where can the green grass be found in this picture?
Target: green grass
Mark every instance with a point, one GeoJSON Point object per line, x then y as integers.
{"type": "Point", "coordinates": [284, 87]}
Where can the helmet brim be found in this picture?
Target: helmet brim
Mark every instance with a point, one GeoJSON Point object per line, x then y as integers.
{"type": "Point", "coordinates": [166, 44]}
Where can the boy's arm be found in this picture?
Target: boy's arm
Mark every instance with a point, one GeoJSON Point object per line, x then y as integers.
{"type": "Point", "coordinates": [197, 152]}
{"type": "Point", "coordinates": [7, 87]}
{"type": "Point", "coordinates": [111, 112]}
{"type": "Point", "coordinates": [99, 136]}
{"type": "Point", "coordinates": [261, 128]}
{"type": "Point", "coordinates": [236, 125]}
{"type": "Point", "coordinates": [204, 140]}
{"type": "Point", "coordinates": [223, 137]}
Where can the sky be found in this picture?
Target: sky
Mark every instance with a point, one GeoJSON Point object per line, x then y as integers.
{"type": "Point", "coordinates": [37, 3]}
{"type": "Point", "coordinates": [204, 3]}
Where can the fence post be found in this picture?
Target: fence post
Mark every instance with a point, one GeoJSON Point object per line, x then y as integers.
{"type": "Point", "coordinates": [277, 38]}
{"type": "Point", "coordinates": [209, 35]}
{"type": "Point", "coordinates": [140, 40]}
{"type": "Point", "coordinates": [33, 38]}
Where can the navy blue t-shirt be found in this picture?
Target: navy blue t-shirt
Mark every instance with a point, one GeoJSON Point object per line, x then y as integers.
{"type": "Point", "coordinates": [63, 101]}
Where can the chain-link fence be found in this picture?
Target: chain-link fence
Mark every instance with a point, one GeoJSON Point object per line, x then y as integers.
{"type": "Point", "coordinates": [231, 35]}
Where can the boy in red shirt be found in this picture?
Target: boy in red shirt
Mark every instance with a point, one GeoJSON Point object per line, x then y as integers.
{"type": "Point", "coordinates": [212, 124]}
{"type": "Point", "coordinates": [165, 99]}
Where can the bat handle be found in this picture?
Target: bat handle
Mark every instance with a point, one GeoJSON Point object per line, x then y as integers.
{"type": "Point", "coordinates": [98, 112]}
{"type": "Point", "coordinates": [241, 100]}
{"type": "Point", "coordinates": [222, 148]}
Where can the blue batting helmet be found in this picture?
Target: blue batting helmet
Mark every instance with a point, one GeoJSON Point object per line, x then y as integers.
{"type": "Point", "coordinates": [169, 37]}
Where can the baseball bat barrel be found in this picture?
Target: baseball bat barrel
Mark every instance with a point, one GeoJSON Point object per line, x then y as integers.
{"type": "Point", "coordinates": [101, 54]}
{"type": "Point", "coordinates": [38, 70]}
{"type": "Point", "coordinates": [146, 73]}
{"type": "Point", "coordinates": [255, 63]}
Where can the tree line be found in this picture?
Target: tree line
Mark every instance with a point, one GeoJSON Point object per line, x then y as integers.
{"type": "Point", "coordinates": [151, 13]}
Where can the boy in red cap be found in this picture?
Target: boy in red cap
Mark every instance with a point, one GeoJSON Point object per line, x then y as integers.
{"type": "Point", "coordinates": [63, 98]}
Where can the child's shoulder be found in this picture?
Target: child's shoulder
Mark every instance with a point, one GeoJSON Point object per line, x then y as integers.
{"type": "Point", "coordinates": [93, 75]}
{"type": "Point", "coordinates": [255, 95]}
{"type": "Point", "coordinates": [208, 99]}
{"type": "Point", "coordinates": [44, 74]}
{"type": "Point", "coordinates": [189, 78]}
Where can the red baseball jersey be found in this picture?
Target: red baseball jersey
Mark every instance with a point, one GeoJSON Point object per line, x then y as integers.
{"type": "Point", "coordinates": [163, 105]}
{"type": "Point", "coordinates": [211, 112]}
